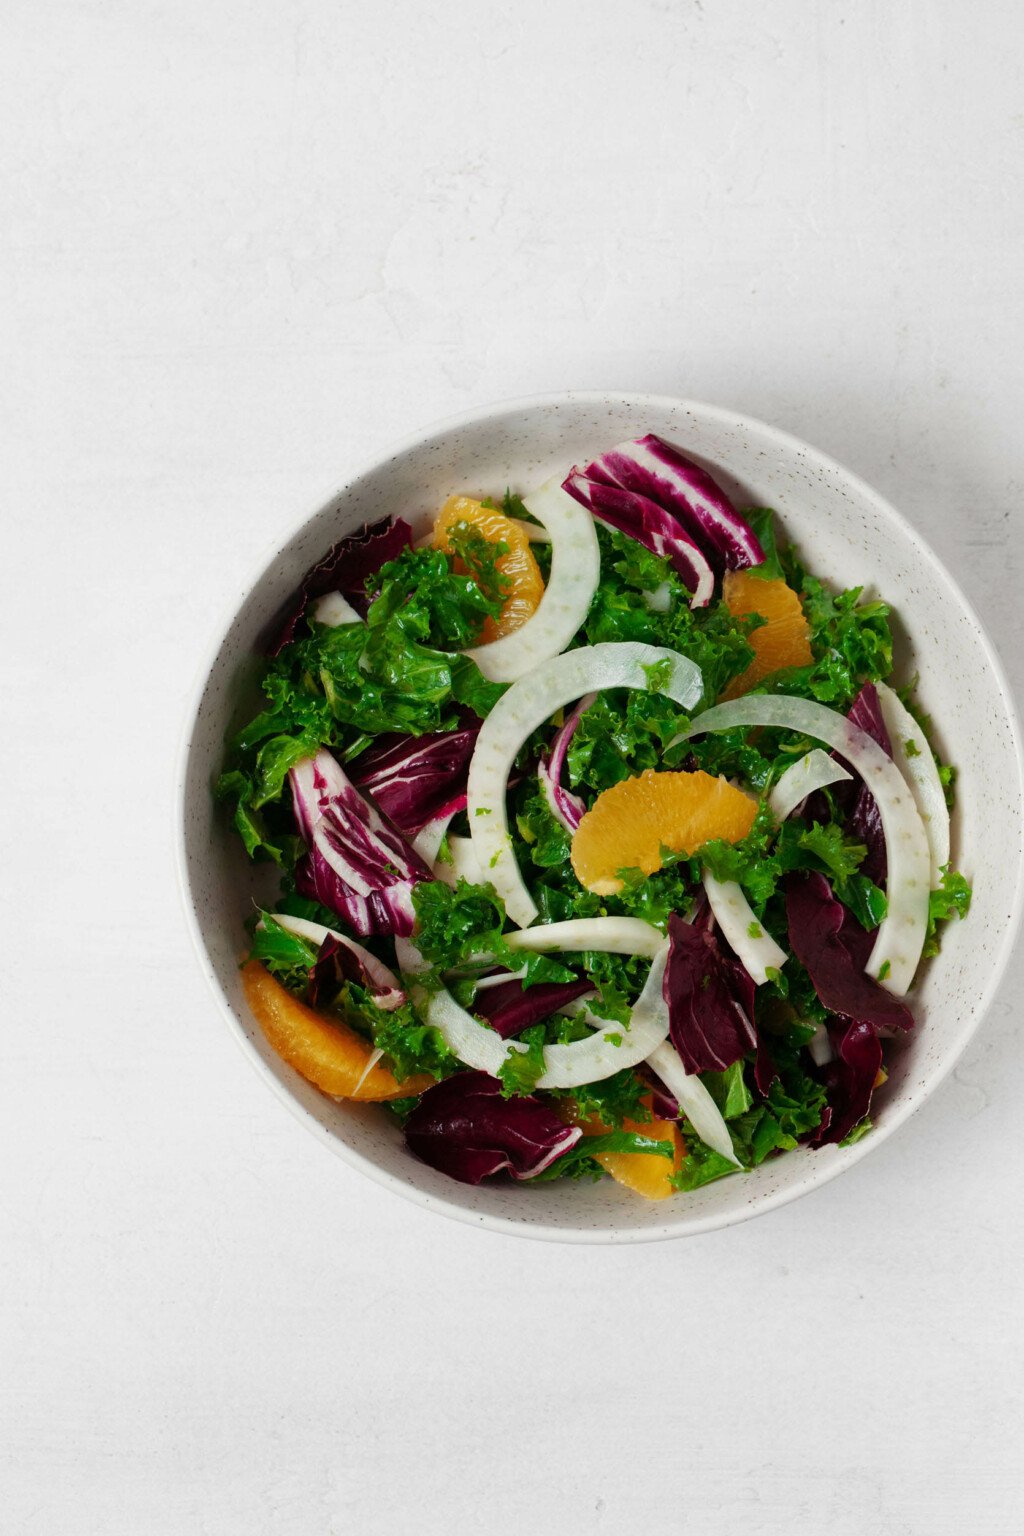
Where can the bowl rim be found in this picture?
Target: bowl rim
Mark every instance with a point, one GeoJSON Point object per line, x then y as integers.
{"type": "Point", "coordinates": [820, 1171]}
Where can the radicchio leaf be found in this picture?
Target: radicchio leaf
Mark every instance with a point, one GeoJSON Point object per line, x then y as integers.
{"type": "Point", "coordinates": [854, 801]}
{"type": "Point", "coordinates": [466, 1129]}
{"type": "Point", "coordinates": [849, 1080]}
{"type": "Point", "coordinates": [864, 823]}
{"type": "Point", "coordinates": [710, 999]}
{"type": "Point", "coordinates": [654, 469]}
{"type": "Point", "coordinates": [664, 1105]}
{"type": "Point", "coordinates": [829, 942]}
{"type": "Point", "coordinates": [416, 779]}
{"type": "Point", "coordinates": [510, 1007]}
{"type": "Point", "coordinates": [562, 803]}
{"type": "Point", "coordinates": [355, 863]}
{"type": "Point", "coordinates": [653, 527]}
{"type": "Point", "coordinates": [341, 960]}
{"type": "Point", "coordinates": [344, 569]}
{"type": "Point", "coordinates": [765, 1070]}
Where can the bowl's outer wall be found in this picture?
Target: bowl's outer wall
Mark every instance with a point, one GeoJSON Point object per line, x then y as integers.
{"type": "Point", "coordinates": [849, 536]}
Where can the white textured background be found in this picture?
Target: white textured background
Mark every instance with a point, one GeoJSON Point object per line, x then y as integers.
{"type": "Point", "coordinates": [244, 244]}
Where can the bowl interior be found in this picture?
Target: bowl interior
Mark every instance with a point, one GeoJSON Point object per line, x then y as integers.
{"type": "Point", "coordinates": [848, 535]}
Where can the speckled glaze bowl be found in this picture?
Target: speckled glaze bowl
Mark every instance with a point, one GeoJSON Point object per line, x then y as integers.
{"type": "Point", "coordinates": [850, 536]}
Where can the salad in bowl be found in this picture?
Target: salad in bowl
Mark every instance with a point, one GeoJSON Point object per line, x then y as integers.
{"type": "Point", "coordinates": [609, 841]}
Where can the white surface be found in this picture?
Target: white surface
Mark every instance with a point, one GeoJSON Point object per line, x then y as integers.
{"type": "Point", "coordinates": [245, 245]}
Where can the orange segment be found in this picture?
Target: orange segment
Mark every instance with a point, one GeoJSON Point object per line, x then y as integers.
{"type": "Point", "coordinates": [784, 641]}
{"type": "Point", "coordinates": [629, 824]}
{"type": "Point", "coordinates": [326, 1051]}
{"type": "Point", "coordinates": [646, 1173]}
{"type": "Point", "coordinates": [519, 568]}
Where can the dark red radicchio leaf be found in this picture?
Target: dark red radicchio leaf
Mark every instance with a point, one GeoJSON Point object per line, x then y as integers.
{"type": "Point", "coordinates": [354, 862]}
{"type": "Point", "coordinates": [464, 1128]}
{"type": "Point", "coordinates": [642, 519]}
{"type": "Point", "coordinates": [829, 943]}
{"type": "Point", "coordinates": [655, 470]}
{"type": "Point", "coordinates": [416, 779]}
{"type": "Point", "coordinates": [562, 803]}
{"type": "Point", "coordinates": [664, 1105]}
{"type": "Point", "coordinates": [861, 818]}
{"type": "Point", "coordinates": [510, 1007]}
{"type": "Point", "coordinates": [343, 569]}
{"type": "Point", "coordinates": [710, 1000]}
{"type": "Point", "coordinates": [849, 1081]}
{"type": "Point", "coordinates": [341, 960]}
{"type": "Point", "coordinates": [865, 822]}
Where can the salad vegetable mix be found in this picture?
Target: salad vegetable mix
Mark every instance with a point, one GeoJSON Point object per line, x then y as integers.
{"type": "Point", "coordinates": [607, 845]}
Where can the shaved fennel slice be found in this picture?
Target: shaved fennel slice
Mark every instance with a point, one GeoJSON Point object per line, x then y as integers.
{"type": "Point", "coordinates": [575, 572]}
{"type": "Point", "coordinates": [465, 865]}
{"type": "Point", "coordinates": [533, 531]}
{"type": "Point", "coordinates": [525, 706]}
{"type": "Point", "coordinates": [333, 609]}
{"type": "Point", "coordinates": [610, 1049]}
{"type": "Point", "coordinates": [660, 600]}
{"type": "Point", "coordinates": [901, 934]}
{"type": "Point", "coordinates": [913, 757]}
{"type": "Point", "coordinates": [694, 1100]}
{"type": "Point", "coordinates": [427, 842]}
{"type": "Point", "coordinates": [814, 770]}
{"type": "Point", "coordinates": [371, 1062]}
{"type": "Point", "coordinates": [820, 1047]}
{"type": "Point", "coordinates": [613, 935]}
{"type": "Point", "coordinates": [389, 992]}
{"type": "Point", "coordinates": [499, 979]}
{"type": "Point", "coordinates": [753, 946]}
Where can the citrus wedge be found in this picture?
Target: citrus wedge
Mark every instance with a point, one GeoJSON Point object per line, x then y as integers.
{"type": "Point", "coordinates": [326, 1051]}
{"type": "Point", "coordinates": [784, 641]}
{"type": "Point", "coordinates": [525, 585]}
{"type": "Point", "coordinates": [629, 825]}
{"type": "Point", "coordinates": [646, 1173]}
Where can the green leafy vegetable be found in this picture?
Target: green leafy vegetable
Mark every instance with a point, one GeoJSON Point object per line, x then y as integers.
{"type": "Point", "coordinates": [762, 520]}
{"type": "Point", "coordinates": [953, 898]}
{"type": "Point", "coordinates": [520, 1070]}
{"type": "Point", "coordinates": [729, 1090]}
{"type": "Point", "coordinates": [480, 557]}
{"type": "Point", "coordinates": [620, 610]}
{"type": "Point", "coordinates": [614, 1099]}
{"type": "Point", "coordinates": [580, 1160]}
{"type": "Point", "coordinates": [284, 954]}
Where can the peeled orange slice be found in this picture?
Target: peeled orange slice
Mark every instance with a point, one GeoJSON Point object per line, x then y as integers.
{"type": "Point", "coordinates": [519, 568]}
{"type": "Point", "coordinates": [784, 641]}
{"type": "Point", "coordinates": [646, 1173]}
{"type": "Point", "coordinates": [325, 1051]}
{"type": "Point", "coordinates": [629, 824]}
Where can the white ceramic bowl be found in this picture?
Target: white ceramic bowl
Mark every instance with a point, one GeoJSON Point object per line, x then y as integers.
{"type": "Point", "coordinates": [850, 536]}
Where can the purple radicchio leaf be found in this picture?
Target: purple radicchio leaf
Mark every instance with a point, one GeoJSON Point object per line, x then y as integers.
{"type": "Point", "coordinates": [865, 822]}
{"type": "Point", "coordinates": [650, 467]}
{"type": "Point", "coordinates": [510, 1007]}
{"type": "Point", "coordinates": [765, 1070]}
{"type": "Point", "coordinates": [341, 960]}
{"type": "Point", "coordinates": [849, 1080]}
{"type": "Point", "coordinates": [566, 807]}
{"type": "Point", "coordinates": [463, 1127]}
{"type": "Point", "coordinates": [854, 801]}
{"type": "Point", "coordinates": [416, 779]}
{"type": "Point", "coordinates": [829, 943]}
{"type": "Point", "coordinates": [710, 1000]}
{"type": "Point", "coordinates": [354, 862]}
{"type": "Point", "coordinates": [343, 569]}
{"type": "Point", "coordinates": [657, 530]}
{"type": "Point", "coordinates": [664, 1105]}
